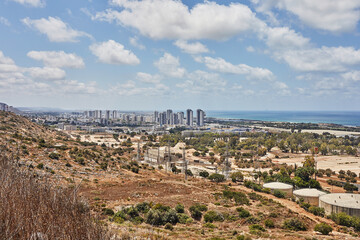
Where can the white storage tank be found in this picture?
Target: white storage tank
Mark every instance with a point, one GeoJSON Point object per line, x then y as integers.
{"type": "Point", "coordinates": [348, 203]}
{"type": "Point", "coordinates": [286, 188]}
{"type": "Point", "coordinates": [310, 195]}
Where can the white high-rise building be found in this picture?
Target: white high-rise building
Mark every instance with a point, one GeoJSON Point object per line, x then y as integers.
{"type": "Point", "coordinates": [180, 117]}
{"type": "Point", "coordinates": [200, 117]}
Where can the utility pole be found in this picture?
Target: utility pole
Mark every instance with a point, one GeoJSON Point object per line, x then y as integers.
{"type": "Point", "coordinates": [226, 167]}
{"type": "Point", "coordinates": [138, 152]}
{"type": "Point", "coordinates": [158, 156]}
{"type": "Point", "coordinates": [185, 164]}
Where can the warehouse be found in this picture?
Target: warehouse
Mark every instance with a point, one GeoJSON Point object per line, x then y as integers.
{"type": "Point", "coordinates": [309, 195]}
{"type": "Point", "coordinates": [348, 203]}
{"type": "Point", "coordinates": [286, 188]}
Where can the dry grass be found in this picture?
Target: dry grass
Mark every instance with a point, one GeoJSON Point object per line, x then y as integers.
{"type": "Point", "coordinates": [34, 209]}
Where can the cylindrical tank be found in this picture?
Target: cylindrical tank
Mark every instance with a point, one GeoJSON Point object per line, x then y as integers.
{"type": "Point", "coordinates": [286, 188]}
{"type": "Point", "coordinates": [310, 195]}
{"type": "Point", "coordinates": [348, 203]}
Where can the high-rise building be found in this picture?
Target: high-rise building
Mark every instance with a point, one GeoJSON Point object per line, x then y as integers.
{"type": "Point", "coordinates": [98, 114]}
{"type": "Point", "coordinates": [107, 114]}
{"type": "Point", "coordinates": [156, 117]}
{"type": "Point", "coordinates": [180, 117]}
{"type": "Point", "coordinates": [162, 118]}
{"type": "Point", "coordinates": [168, 116]}
{"type": "Point", "coordinates": [200, 116]}
{"type": "Point", "coordinates": [189, 117]}
{"type": "Point", "coordinates": [115, 114]}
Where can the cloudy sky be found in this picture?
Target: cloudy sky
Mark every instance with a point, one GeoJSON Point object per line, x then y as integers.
{"type": "Point", "coordinates": [159, 54]}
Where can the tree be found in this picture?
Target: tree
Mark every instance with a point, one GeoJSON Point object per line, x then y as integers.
{"type": "Point", "coordinates": [216, 177]}
{"type": "Point", "coordinates": [309, 161]}
{"type": "Point", "coordinates": [304, 173]}
{"type": "Point", "coordinates": [237, 177]}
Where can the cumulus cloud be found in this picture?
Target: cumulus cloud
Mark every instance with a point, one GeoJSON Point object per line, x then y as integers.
{"type": "Point", "coordinates": [170, 66]}
{"type": "Point", "coordinates": [283, 38]}
{"type": "Point", "coordinates": [46, 73]}
{"type": "Point", "coordinates": [130, 88]}
{"type": "Point", "coordinates": [112, 52]}
{"type": "Point", "coordinates": [203, 83]}
{"type": "Point", "coordinates": [330, 15]}
{"type": "Point", "coordinates": [135, 42]}
{"type": "Point", "coordinates": [148, 78]}
{"type": "Point", "coordinates": [4, 21]}
{"type": "Point", "coordinates": [55, 29]}
{"type": "Point", "coordinates": [171, 19]}
{"type": "Point", "coordinates": [191, 48]}
{"type": "Point", "coordinates": [324, 59]}
{"type": "Point", "coordinates": [32, 3]}
{"type": "Point", "coordinates": [76, 87]}
{"type": "Point", "coordinates": [220, 65]}
{"type": "Point", "coordinates": [57, 59]}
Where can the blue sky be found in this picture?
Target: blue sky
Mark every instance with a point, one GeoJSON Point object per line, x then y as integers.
{"type": "Point", "coordinates": [159, 54]}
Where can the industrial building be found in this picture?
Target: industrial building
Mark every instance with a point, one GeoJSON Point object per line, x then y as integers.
{"type": "Point", "coordinates": [286, 188]}
{"type": "Point", "coordinates": [348, 203]}
{"type": "Point", "coordinates": [309, 195]}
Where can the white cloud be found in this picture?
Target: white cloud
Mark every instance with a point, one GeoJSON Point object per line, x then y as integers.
{"type": "Point", "coordinates": [32, 3]}
{"type": "Point", "coordinates": [250, 49]}
{"type": "Point", "coordinates": [353, 76]}
{"type": "Point", "coordinates": [135, 42]}
{"type": "Point", "coordinates": [148, 78]}
{"type": "Point", "coordinates": [112, 52]}
{"type": "Point", "coordinates": [46, 73]}
{"type": "Point", "coordinates": [130, 89]}
{"type": "Point", "coordinates": [203, 82]}
{"type": "Point", "coordinates": [4, 21]}
{"type": "Point", "coordinates": [172, 19]}
{"type": "Point", "coordinates": [57, 59]}
{"type": "Point", "coordinates": [220, 65]}
{"type": "Point", "coordinates": [170, 66]}
{"type": "Point", "coordinates": [283, 38]}
{"type": "Point", "coordinates": [330, 15]}
{"type": "Point", "coordinates": [76, 87]}
{"type": "Point", "coordinates": [55, 29]}
{"type": "Point", "coordinates": [325, 59]}
{"type": "Point", "coordinates": [191, 48]}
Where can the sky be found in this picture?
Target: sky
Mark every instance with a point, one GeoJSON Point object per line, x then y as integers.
{"type": "Point", "coordinates": [160, 54]}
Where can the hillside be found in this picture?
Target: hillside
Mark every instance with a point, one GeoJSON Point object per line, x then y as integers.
{"type": "Point", "coordinates": [134, 199]}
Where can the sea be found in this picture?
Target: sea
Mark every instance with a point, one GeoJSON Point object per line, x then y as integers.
{"type": "Point", "coordinates": [348, 118]}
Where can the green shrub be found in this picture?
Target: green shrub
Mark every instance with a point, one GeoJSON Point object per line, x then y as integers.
{"type": "Point", "coordinates": [269, 223]}
{"type": "Point", "coordinates": [213, 216]}
{"type": "Point", "coordinates": [180, 208]}
{"type": "Point", "coordinates": [209, 225]}
{"type": "Point", "coordinates": [169, 226]}
{"type": "Point", "coordinates": [204, 174]}
{"type": "Point", "coordinates": [323, 228]}
{"type": "Point", "coordinates": [40, 166]}
{"type": "Point", "coordinates": [243, 237]}
{"type": "Point", "coordinates": [242, 212]}
{"type": "Point", "coordinates": [154, 217]}
{"type": "Point", "coordinates": [252, 220]}
{"type": "Point", "coordinates": [216, 177]}
{"type": "Point", "coordinates": [317, 211]}
{"type": "Point", "coordinates": [54, 155]}
{"type": "Point", "coordinates": [279, 194]}
{"type": "Point", "coordinates": [108, 211]}
{"type": "Point", "coordinates": [182, 218]}
{"type": "Point", "coordinates": [258, 227]}
{"type": "Point", "coordinates": [170, 217]}
{"type": "Point", "coordinates": [143, 207]}
{"type": "Point", "coordinates": [294, 224]}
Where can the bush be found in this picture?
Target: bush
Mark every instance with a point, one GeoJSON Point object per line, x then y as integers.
{"type": "Point", "coordinates": [183, 218]}
{"type": "Point", "coordinates": [216, 177]}
{"type": "Point", "coordinates": [317, 211]}
{"type": "Point", "coordinates": [213, 216]}
{"type": "Point", "coordinates": [257, 227]}
{"type": "Point", "coordinates": [269, 223]}
{"type": "Point", "coordinates": [54, 155]}
{"type": "Point", "coordinates": [108, 211]}
{"type": "Point", "coordinates": [171, 217]}
{"type": "Point", "coordinates": [204, 174]}
{"type": "Point", "coordinates": [323, 228]}
{"type": "Point", "coordinates": [279, 194]}
{"type": "Point", "coordinates": [294, 224]}
{"type": "Point", "coordinates": [40, 166]}
{"type": "Point", "coordinates": [180, 208]}
{"type": "Point", "coordinates": [242, 212]}
{"type": "Point", "coordinates": [237, 177]}
{"type": "Point", "coordinates": [143, 207]}
{"type": "Point", "coordinates": [169, 226]}
{"type": "Point", "coordinates": [196, 211]}
{"type": "Point", "coordinates": [154, 217]}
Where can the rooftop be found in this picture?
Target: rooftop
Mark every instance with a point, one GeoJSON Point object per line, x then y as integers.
{"type": "Point", "coordinates": [348, 200]}
{"type": "Point", "coordinates": [309, 192]}
{"type": "Point", "coordinates": [277, 185]}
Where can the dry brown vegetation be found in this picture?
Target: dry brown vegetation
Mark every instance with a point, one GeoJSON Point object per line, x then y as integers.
{"type": "Point", "coordinates": [33, 209]}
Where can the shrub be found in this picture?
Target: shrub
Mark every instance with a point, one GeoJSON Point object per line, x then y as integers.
{"type": "Point", "coordinates": [204, 174]}
{"type": "Point", "coordinates": [108, 211]}
{"type": "Point", "coordinates": [243, 237]}
{"type": "Point", "coordinates": [183, 218]}
{"type": "Point", "coordinates": [180, 208]}
{"type": "Point", "coordinates": [269, 223]}
{"type": "Point", "coordinates": [256, 227]}
{"type": "Point", "coordinates": [154, 217]}
{"type": "Point", "coordinates": [317, 211]}
{"type": "Point", "coordinates": [143, 207]}
{"type": "Point", "coordinates": [213, 216]}
{"type": "Point", "coordinates": [242, 212]}
{"type": "Point", "coordinates": [279, 194]}
{"type": "Point", "coordinates": [170, 217]}
{"type": "Point", "coordinates": [323, 228]}
{"type": "Point", "coordinates": [54, 155]}
{"type": "Point", "coordinates": [252, 220]}
{"type": "Point", "coordinates": [169, 226]}
{"type": "Point", "coordinates": [237, 177]}
{"type": "Point", "coordinates": [209, 225]}
{"type": "Point", "coordinates": [294, 224]}
{"type": "Point", "coordinates": [40, 166]}
{"type": "Point", "coordinates": [216, 177]}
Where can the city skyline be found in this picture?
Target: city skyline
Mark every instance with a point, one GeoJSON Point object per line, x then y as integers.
{"type": "Point", "coordinates": [133, 55]}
